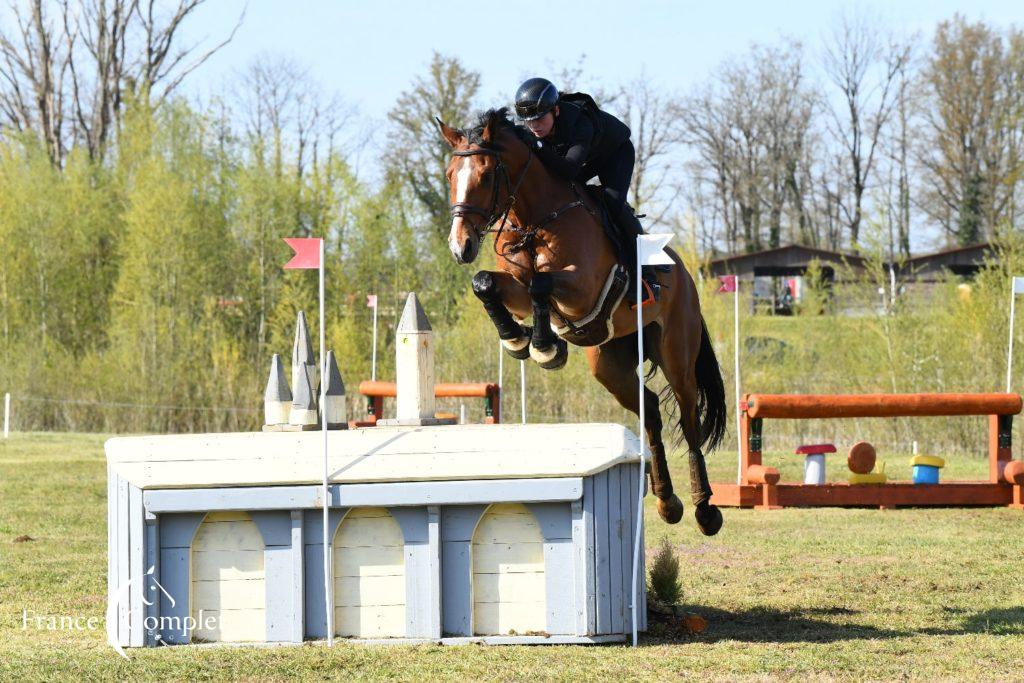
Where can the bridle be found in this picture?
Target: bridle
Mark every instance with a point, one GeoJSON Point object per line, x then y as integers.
{"type": "Point", "coordinates": [491, 216]}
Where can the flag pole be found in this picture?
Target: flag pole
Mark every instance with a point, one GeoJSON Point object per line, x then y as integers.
{"type": "Point", "coordinates": [640, 495]}
{"type": "Point", "coordinates": [736, 375]}
{"type": "Point", "coordinates": [1009, 354]}
{"type": "Point", "coordinates": [329, 602]}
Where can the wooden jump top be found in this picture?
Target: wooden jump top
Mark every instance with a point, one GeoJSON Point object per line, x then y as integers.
{"type": "Point", "coordinates": [806, 406]}
{"type": "Point", "coordinates": [378, 454]}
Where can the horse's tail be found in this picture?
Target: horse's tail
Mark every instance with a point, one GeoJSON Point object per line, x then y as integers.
{"type": "Point", "coordinates": [711, 410]}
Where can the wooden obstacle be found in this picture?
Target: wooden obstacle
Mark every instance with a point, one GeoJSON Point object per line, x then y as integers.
{"type": "Point", "coordinates": [376, 391]}
{"type": "Point", "coordinates": [761, 486]}
{"type": "Point", "coordinates": [518, 534]}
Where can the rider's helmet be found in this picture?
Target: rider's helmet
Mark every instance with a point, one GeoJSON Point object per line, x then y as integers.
{"type": "Point", "coordinates": [535, 98]}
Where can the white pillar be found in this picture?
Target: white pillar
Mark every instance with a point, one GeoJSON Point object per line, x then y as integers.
{"type": "Point", "coordinates": [414, 368]}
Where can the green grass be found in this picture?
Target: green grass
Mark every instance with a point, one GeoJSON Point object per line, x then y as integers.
{"type": "Point", "coordinates": [819, 594]}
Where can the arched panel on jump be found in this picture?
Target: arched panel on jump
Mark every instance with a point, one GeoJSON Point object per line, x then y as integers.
{"type": "Point", "coordinates": [228, 580]}
{"type": "Point", "coordinates": [508, 572]}
{"type": "Point", "coordinates": [369, 575]}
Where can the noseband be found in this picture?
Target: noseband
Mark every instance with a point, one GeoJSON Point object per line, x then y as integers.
{"type": "Point", "coordinates": [491, 216]}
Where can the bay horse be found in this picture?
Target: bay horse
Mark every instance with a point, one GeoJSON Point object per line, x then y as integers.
{"type": "Point", "coordinates": [555, 260]}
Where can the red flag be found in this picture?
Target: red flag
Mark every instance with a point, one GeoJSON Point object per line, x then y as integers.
{"type": "Point", "coordinates": [728, 283]}
{"type": "Point", "coordinates": [307, 252]}
{"type": "Point", "coordinates": [371, 301]}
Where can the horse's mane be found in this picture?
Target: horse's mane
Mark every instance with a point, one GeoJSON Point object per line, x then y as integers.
{"type": "Point", "coordinates": [498, 120]}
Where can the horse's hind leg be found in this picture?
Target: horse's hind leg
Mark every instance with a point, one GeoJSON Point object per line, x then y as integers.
{"type": "Point", "coordinates": [614, 365]}
{"type": "Point", "coordinates": [676, 360]}
{"type": "Point", "coordinates": [498, 291]}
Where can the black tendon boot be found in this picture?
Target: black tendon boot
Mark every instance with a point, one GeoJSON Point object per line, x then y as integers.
{"type": "Point", "coordinates": [629, 227]}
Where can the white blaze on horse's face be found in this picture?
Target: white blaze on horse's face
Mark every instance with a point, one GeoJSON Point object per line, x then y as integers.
{"type": "Point", "coordinates": [456, 242]}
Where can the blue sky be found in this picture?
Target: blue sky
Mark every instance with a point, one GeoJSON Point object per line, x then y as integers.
{"type": "Point", "coordinates": [369, 51]}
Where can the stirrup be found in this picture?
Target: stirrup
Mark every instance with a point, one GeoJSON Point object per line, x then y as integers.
{"type": "Point", "coordinates": [649, 299]}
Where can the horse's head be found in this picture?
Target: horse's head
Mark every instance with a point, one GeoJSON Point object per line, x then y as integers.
{"type": "Point", "coordinates": [482, 189]}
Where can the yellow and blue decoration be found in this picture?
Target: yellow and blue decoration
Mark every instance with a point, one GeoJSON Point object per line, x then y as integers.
{"type": "Point", "coordinates": [926, 468]}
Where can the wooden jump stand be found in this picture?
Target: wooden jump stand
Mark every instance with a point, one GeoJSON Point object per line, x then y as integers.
{"type": "Point", "coordinates": [376, 391]}
{"type": "Point", "coordinates": [761, 487]}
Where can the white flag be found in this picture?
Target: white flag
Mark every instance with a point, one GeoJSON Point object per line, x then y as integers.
{"type": "Point", "coordinates": [1018, 285]}
{"type": "Point", "coordinates": [651, 249]}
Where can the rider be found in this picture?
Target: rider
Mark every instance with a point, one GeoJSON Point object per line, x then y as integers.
{"type": "Point", "coordinates": [578, 141]}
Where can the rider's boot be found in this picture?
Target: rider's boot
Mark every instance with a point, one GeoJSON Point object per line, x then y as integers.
{"type": "Point", "coordinates": [629, 227]}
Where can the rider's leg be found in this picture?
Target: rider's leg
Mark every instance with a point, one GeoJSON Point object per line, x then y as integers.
{"type": "Point", "coordinates": [615, 175]}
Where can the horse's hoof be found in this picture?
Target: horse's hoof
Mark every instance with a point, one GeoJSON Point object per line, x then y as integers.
{"type": "Point", "coordinates": [709, 518]}
{"type": "Point", "coordinates": [519, 348]}
{"type": "Point", "coordinates": [519, 354]}
{"type": "Point", "coordinates": [671, 509]}
{"type": "Point", "coordinates": [552, 359]}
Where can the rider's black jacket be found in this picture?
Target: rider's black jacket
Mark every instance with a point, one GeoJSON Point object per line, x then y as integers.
{"type": "Point", "coordinates": [576, 148]}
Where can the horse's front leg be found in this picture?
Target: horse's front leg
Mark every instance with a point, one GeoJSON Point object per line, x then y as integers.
{"type": "Point", "coordinates": [546, 348]}
{"type": "Point", "coordinates": [499, 291]}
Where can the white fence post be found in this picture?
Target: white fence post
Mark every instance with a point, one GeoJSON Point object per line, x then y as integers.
{"type": "Point", "coordinates": [7, 414]}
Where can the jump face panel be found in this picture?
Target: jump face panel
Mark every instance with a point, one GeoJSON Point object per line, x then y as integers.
{"type": "Point", "coordinates": [437, 535]}
{"type": "Point", "coordinates": [369, 575]}
{"type": "Point", "coordinates": [228, 584]}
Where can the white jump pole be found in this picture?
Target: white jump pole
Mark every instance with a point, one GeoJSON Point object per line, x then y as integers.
{"type": "Point", "coordinates": [501, 375]}
{"type": "Point", "coordinates": [1009, 352]}
{"type": "Point", "coordinates": [522, 389]}
{"type": "Point", "coordinates": [373, 362]}
{"type": "Point", "coordinates": [7, 414]}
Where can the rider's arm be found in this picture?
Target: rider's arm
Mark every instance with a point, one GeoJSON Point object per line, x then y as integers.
{"type": "Point", "coordinates": [568, 166]}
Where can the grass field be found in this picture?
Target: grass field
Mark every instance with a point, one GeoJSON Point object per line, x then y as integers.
{"type": "Point", "coordinates": [805, 594]}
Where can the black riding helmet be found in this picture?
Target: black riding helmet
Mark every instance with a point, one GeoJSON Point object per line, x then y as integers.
{"type": "Point", "coordinates": [535, 98]}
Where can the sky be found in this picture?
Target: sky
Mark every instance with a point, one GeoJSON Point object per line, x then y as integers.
{"type": "Point", "coordinates": [369, 51]}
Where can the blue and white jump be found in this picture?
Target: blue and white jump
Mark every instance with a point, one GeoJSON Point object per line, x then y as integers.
{"type": "Point", "coordinates": [500, 533]}
{"type": "Point", "coordinates": [438, 533]}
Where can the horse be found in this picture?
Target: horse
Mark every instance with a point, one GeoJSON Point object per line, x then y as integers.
{"type": "Point", "coordinates": [554, 259]}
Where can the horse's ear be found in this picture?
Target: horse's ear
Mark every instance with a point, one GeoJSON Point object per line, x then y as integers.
{"type": "Point", "coordinates": [453, 136]}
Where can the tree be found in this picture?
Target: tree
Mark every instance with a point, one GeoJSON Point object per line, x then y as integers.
{"type": "Point", "coordinates": [750, 129]}
{"type": "Point", "coordinates": [67, 69]}
{"type": "Point", "coordinates": [418, 154]}
{"type": "Point", "coordinates": [656, 134]}
{"type": "Point", "coordinates": [974, 129]}
{"type": "Point", "coordinates": [417, 159]}
{"type": "Point", "coordinates": [864, 67]}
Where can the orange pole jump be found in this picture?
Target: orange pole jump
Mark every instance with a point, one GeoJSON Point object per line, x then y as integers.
{"type": "Point", "coordinates": [370, 388]}
{"type": "Point", "coordinates": [807, 406]}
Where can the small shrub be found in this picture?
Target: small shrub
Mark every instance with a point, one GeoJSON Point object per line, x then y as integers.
{"type": "Point", "coordinates": [664, 576]}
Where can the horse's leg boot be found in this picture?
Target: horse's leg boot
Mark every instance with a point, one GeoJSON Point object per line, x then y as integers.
{"type": "Point", "coordinates": [513, 336]}
{"type": "Point", "coordinates": [546, 348]}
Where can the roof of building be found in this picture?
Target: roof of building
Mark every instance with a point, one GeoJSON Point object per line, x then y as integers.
{"type": "Point", "coordinates": [788, 255]}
